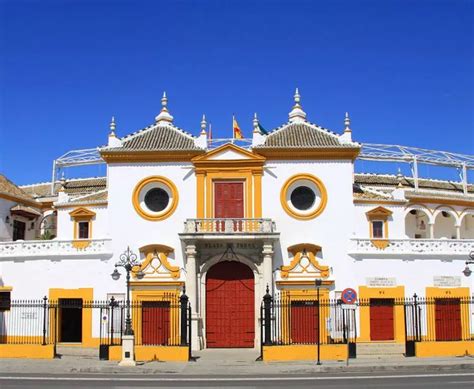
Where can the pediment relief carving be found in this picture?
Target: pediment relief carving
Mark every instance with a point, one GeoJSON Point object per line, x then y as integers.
{"type": "Point", "coordinates": [156, 265]}
{"type": "Point", "coordinates": [304, 263]}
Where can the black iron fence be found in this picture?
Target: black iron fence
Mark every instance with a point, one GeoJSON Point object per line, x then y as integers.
{"type": "Point", "coordinates": [287, 321]}
{"type": "Point", "coordinates": [163, 322]}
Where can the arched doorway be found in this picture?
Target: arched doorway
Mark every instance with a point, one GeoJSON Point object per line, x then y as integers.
{"type": "Point", "coordinates": [230, 305]}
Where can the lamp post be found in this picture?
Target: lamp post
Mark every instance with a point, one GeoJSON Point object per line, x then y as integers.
{"type": "Point", "coordinates": [467, 271]}
{"type": "Point", "coordinates": [128, 260]}
{"type": "Point", "coordinates": [318, 284]}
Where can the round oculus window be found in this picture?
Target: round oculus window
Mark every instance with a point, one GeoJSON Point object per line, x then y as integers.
{"type": "Point", "coordinates": [302, 198]}
{"type": "Point", "coordinates": [157, 199]}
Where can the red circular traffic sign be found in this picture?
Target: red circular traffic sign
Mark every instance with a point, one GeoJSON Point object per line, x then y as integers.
{"type": "Point", "coordinates": [349, 296]}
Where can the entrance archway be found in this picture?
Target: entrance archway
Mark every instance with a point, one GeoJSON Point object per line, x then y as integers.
{"type": "Point", "coordinates": [230, 305]}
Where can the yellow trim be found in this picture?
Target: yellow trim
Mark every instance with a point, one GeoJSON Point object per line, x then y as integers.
{"type": "Point", "coordinates": [304, 283]}
{"type": "Point", "coordinates": [148, 156]}
{"type": "Point", "coordinates": [444, 201]}
{"type": "Point", "coordinates": [163, 252]}
{"type": "Point", "coordinates": [379, 214]}
{"type": "Point", "coordinates": [306, 352]}
{"type": "Point", "coordinates": [305, 154]}
{"type": "Point", "coordinates": [322, 190]}
{"type": "Point", "coordinates": [160, 216]}
{"type": "Point", "coordinates": [437, 292]}
{"type": "Point", "coordinates": [6, 288]}
{"type": "Point", "coordinates": [366, 293]}
{"type": "Point", "coordinates": [79, 215]}
{"type": "Point", "coordinates": [171, 295]}
{"type": "Point", "coordinates": [34, 351]}
{"type": "Point", "coordinates": [21, 201]}
{"type": "Point", "coordinates": [153, 353]}
{"type": "Point", "coordinates": [86, 294]}
{"type": "Point", "coordinates": [249, 169]}
{"type": "Point", "coordinates": [377, 201]}
{"type": "Point", "coordinates": [297, 251]}
{"type": "Point", "coordinates": [444, 349]}
{"type": "Point", "coordinates": [157, 283]}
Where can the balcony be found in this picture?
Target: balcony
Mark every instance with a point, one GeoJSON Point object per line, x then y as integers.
{"type": "Point", "coordinates": [412, 248]}
{"type": "Point", "coordinates": [229, 228]}
{"type": "Point", "coordinates": [55, 249]}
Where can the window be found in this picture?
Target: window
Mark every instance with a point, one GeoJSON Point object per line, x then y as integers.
{"type": "Point", "coordinates": [157, 199]}
{"type": "Point", "coordinates": [377, 229]}
{"type": "Point", "coordinates": [83, 230]}
{"type": "Point", "coordinates": [5, 301]}
{"type": "Point", "coordinates": [302, 198]}
{"type": "Point", "coordinates": [18, 230]}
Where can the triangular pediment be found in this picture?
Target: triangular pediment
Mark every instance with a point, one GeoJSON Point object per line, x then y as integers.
{"type": "Point", "coordinates": [82, 212]}
{"type": "Point", "coordinates": [379, 212]}
{"type": "Point", "coordinates": [228, 152]}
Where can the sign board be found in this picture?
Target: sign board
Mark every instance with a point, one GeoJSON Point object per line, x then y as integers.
{"type": "Point", "coordinates": [380, 281]}
{"type": "Point", "coordinates": [349, 296]}
{"type": "Point", "coordinates": [349, 306]}
{"type": "Point", "coordinates": [447, 281]}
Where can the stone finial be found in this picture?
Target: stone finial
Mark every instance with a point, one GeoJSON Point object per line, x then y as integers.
{"type": "Point", "coordinates": [255, 123]}
{"type": "Point", "coordinates": [164, 117]}
{"type": "Point", "coordinates": [203, 125]}
{"type": "Point", "coordinates": [297, 115]}
{"type": "Point", "coordinates": [399, 178]}
{"type": "Point", "coordinates": [347, 123]}
{"type": "Point", "coordinates": [112, 126]}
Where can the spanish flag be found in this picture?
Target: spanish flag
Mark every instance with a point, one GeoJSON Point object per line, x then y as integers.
{"type": "Point", "coordinates": [237, 131]}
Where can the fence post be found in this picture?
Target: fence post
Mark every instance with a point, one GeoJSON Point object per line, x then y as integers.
{"type": "Point", "coordinates": [415, 303]}
{"type": "Point", "coordinates": [112, 305]}
{"type": "Point", "coordinates": [184, 317]}
{"type": "Point", "coordinates": [45, 308]}
{"type": "Point", "coordinates": [267, 307]}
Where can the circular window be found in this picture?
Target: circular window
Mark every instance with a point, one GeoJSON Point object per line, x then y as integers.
{"type": "Point", "coordinates": [303, 196]}
{"type": "Point", "coordinates": [155, 198]}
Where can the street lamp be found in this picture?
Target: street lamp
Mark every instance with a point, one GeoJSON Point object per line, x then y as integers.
{"type": "Point", "coordinates": [318, 284]}
{"type": "Point", "coordinates": [128, 260]}
{"type": "Point", "coordinates": [467, 271]}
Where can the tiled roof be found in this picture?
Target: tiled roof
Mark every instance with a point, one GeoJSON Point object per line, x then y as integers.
{"type": "Point", "coordinates": [74, 187]}
{"type": "Point", "coordinates": [392, 180]}
{"type": "Point", "coordinates": [303, 135]}
{"type": "Point", "coordinates": [10, 189]}
{"type": "Point", "coordinates": [91, 198]}
{"type": "Point", "coordinates": [362, 193]}
{"type": "Point", "coordinates": [155, 137]}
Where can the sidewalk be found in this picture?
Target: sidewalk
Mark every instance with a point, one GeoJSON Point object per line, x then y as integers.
{"type": "Point", "coordinates": [230, 362]}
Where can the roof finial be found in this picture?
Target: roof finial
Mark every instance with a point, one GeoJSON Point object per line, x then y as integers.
{"type": "Point", "coordinates": [347, 123]}
{"type": "Point", "coordinates": [297, 115]}
{"type": "Point", "coordinates": [203, 125]}
{"type": "Point", "coordinates": [112, 126]}
{"type": "Point", "coordinates": [255, 123]}
{"type": "Point", "coordinates": [399, 178]}
{"type": "Point", "coordinates": [164, 118]}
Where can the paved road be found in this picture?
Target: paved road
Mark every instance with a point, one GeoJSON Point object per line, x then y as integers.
{"type": "Point", "coordinates": [458, 380]}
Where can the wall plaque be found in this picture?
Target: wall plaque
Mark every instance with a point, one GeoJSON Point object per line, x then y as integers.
{"type": "Point", "coordinates": [447, 281]}
{"type": "Point", "coordinates": [381, 281]}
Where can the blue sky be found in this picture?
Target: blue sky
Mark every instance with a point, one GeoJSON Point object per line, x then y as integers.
{"type": "Point", "coordinates": [403, 69]}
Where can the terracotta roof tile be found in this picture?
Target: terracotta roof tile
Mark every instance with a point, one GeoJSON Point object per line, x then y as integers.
{"type": "Point", "coordinates": [10, 189]}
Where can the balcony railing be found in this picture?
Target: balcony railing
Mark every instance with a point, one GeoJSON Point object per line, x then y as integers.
{"type": "Point", "coordinates": [229, 226]}
{"type": "Point", "coordinates": [412, 247]}
{"type": "Point", "coordinates": [55, 249]}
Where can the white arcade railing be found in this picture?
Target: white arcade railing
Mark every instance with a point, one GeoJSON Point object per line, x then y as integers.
{"type": "Point", "coordinates": [234, 226]}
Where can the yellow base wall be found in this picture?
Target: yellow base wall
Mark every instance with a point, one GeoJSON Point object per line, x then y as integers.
{"type": "Point", "coordinates": [329, 352]}
{"type": "Point", "coordinates": [444, 349]}
{"type": "Point", "coordinates": [153, 353]}
{"type": "Point", "coordinates": [27, 351]}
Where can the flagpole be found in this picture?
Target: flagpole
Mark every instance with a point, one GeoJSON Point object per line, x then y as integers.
{"type": "Point", "coordinates": [233, 129]}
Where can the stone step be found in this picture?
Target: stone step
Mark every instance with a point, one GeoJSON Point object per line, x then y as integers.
{"type": "Point", "coordinates": [77, 351]}
{"type": "Point", "coordinates": [378, 348]}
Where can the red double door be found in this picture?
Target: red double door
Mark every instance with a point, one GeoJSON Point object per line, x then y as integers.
{"type": "Point", "coordinates": [230, 305]}
{"type": "Point", "coordinates": [229, 203]}
{"type": "Point", "coordinates": [448, 319]}
{"type": "Point", "coordinates": [155, 322]}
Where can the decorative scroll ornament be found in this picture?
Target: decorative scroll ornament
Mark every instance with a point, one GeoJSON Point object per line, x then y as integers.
{"type": "Point", "coordinates": [156, 265]}
{"type": "Point", "coordinates": [304, 263]}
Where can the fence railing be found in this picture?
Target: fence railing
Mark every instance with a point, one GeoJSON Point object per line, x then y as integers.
{"type": "Point", "coordinates": [287, 321]}
{"type": "Point", "coordinates": [164, 322]}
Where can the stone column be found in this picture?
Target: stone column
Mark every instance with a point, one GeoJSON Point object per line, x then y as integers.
{"type": "Point", "coordinates": [431, 230]}
{"type": "Point", "coordinates": [192, 292]}
{"type": "Point", "coordinates": [458, 232]}
{"type": "Point", "coordinates": [267, 266]}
